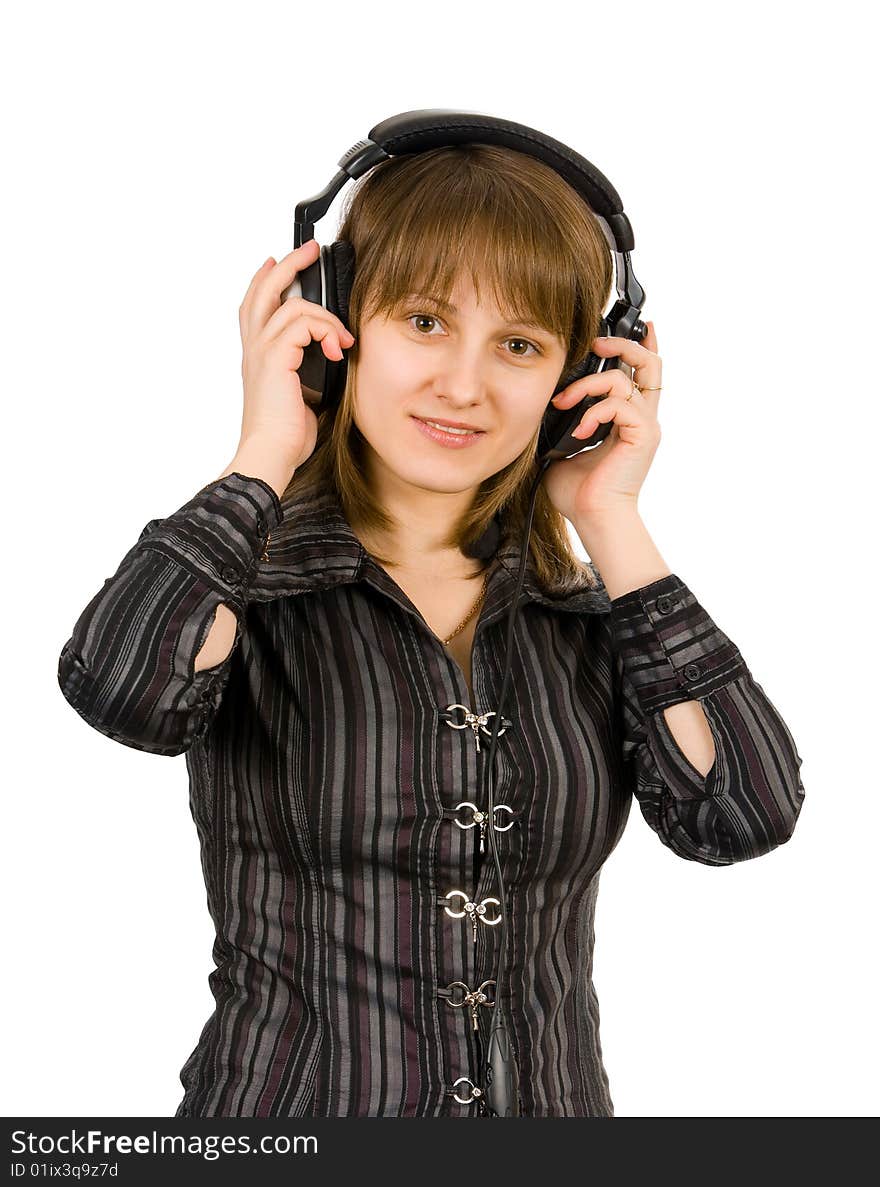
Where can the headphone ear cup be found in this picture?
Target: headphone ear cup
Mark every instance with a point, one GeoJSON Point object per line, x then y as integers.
{"type": "Point", "coordinates": [557, 423]}
{"type": "Point", "coordinates": [338, 277]}
{"type": "Point", "coordinates": [309, 285]}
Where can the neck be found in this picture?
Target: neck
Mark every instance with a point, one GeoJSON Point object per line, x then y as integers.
{"type": "Point", "coordinates": [421, 524]}
{"type": "Point", "coordinates": [419, 558]}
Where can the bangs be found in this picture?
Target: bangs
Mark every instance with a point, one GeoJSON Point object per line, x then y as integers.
{"type": "Point", "coordinates": [508, 264]}
{"type": "Point", "coordinates": [463, 212]}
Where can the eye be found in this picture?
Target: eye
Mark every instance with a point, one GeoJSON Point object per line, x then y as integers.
{"type": "Point", "coordinates": [422, 317]}
{"type": "Point", "coordinates": [431, 317]}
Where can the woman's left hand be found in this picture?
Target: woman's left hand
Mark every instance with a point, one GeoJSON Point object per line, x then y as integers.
{"type": "Point", "coordinates": [609, 476]}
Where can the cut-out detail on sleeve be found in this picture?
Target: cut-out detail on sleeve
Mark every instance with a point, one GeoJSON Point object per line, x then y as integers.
{"type": "Point", "coordinates": [667, 649]}
{"type": "Point", "coordinates": [128, 667]}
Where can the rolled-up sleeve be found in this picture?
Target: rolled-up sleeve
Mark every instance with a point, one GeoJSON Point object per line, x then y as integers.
{"type": "Point", "coordinates": [128, 667]}
{"type": "Point", "coordinates": [667, 649]}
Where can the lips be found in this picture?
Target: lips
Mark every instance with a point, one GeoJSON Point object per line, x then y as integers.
{"type": "Point", "coordinates": [450, 424]}
{"type": "Point", "coordinates": [449, 440]}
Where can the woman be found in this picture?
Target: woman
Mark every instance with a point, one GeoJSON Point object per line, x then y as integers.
{"type": "Point", "coordinates": [320, 632]}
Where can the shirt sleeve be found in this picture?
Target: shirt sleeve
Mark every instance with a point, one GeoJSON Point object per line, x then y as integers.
{"type": "Point", "coordinates": [128, 667]}
{"type": "Point", "coordinates": [667, 649]}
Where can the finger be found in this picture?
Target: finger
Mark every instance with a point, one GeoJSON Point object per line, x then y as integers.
{"type": "Point", "coordinates": [294, 310]}
{"type": "Point", "coordinates": [615, 380]}
{"type": "Point", "coordinates": [305, 330]}
{"type": "Point", "coordinates": [650, 343]}
{"type": "Point", "coordinates": [267, 294]}
{"type": "Point", "coordinates": [263, 270]}
{"type": "Point", "coordinates": [618, 409]}
{"type": "Point", "coordinates": [647, 366]}
{"type": "Point", "coordinates": [295, 307]}
{"type": "Point", "coordinates": [244, 308]}
{"type": "Point", "coordinates": [636, 354]}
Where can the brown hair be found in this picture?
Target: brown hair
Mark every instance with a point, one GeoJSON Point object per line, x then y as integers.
{"type": "Point", "coordinates": [415, 221]}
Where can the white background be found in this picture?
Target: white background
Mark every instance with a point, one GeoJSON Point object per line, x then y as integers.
{"type": "Point", "coordinates": [154, 155]}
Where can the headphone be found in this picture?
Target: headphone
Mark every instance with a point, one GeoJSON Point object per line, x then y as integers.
{"type": "Point", "coordinates": [328, 282]}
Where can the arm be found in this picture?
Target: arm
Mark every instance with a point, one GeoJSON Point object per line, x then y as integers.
{"type": "Point", "coordinates": [627, 558]}
{"type": "Point", "coordinates": [669, 655]}
{"type": "Point", "coordinates": [258, 461]}
{"type": "Point", "coordinates": [129, 666]}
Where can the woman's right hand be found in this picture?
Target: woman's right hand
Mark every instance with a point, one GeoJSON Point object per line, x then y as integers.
{"type": "Point", "coordinates": [274, 335]}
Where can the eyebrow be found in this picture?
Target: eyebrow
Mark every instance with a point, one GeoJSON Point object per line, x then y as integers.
{"type": "Point", "coordinates": [445, 307]}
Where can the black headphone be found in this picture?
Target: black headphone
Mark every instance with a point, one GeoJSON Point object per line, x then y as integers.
{"type": "Point", "coordinates": [328, 282]}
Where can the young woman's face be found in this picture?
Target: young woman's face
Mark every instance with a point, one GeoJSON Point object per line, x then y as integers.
{"type": "Point", "coordinates": [465, 365]}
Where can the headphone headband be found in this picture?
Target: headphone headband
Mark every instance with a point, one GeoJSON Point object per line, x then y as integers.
{"type": "Point", "coordinates": [418, 131]}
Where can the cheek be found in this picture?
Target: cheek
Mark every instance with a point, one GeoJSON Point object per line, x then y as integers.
{"type": "Point", "coordinates": [518, 429]}
{"type": "Point", "coordinates": [385, 394]}
{"type": "Point", "coordinates": [523, 418]}
{"type": "Point", "coordinates": [379, 405]}
{"type": "Point", "coordinates": [380, 412]}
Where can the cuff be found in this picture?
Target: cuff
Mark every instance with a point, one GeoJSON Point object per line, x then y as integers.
{"type": "Point", "coordinates": [220, 534]}
{"type": "Point", "coordinates": [672, 651]}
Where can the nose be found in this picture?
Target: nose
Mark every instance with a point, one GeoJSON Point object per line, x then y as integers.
{"type": "Point", "coordinates": [461, 378]}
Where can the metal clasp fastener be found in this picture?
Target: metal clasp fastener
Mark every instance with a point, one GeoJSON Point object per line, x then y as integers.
{"type": "Point", "coordinates": [474, 910]}
{"type": "Point", "coordinates": [477, 722]}
{"type": "Point", "coordinates": [472, 998]}
{"type": "Point", "coordinates": [480, 818]}
{"type": "Point", "coordinates": [476, 1092]}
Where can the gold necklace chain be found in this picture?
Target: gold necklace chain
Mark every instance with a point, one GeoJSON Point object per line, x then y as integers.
{"type": "Point", "coordinates": [476, 607]}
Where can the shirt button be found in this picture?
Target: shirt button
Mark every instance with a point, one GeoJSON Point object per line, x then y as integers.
{"type": "Point", "coordinates": [230, 573]}
{"type": "Point", "coordinates": [665, 603]}
{"type": "Point", "coordinates": [691, 671]}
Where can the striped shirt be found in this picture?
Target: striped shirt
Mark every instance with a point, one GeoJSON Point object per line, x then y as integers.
{"type": "Point", "coordinates": [333, 762]}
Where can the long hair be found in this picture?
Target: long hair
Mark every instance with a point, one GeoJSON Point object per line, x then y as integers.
{"type": "Point", "coordinates": [415, 222]}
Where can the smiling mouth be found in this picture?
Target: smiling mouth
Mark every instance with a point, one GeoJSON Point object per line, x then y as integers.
{"type": "Point", "coordinates": [450, 437]}
{"type": "Point", "coordinates": [447, 428]}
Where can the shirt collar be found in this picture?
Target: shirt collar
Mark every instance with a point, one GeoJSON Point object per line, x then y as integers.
{"type": "Point", "coordinates": [314, 548]}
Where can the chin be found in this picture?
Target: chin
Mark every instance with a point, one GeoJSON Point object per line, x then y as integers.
{"type": "Point", "coordinates": [446, 479]}
{"type": "Point", "coordinates": [448, 472]}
